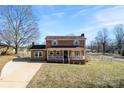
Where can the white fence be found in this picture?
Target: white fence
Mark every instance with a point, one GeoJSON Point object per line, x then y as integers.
{"type": "Point", "coordinates": [62, 58]}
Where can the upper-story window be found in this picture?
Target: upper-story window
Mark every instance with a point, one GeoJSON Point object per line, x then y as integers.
{"type": "Point", "coordinates": [76, 42]}
{"type": "Point", "coordinates": [54, 43]}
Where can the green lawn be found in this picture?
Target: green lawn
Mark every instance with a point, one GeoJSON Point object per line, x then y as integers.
{"type": "Point", "coordinates": [92, 74]}
{"type": "Point", "coordinates": [117, 56]}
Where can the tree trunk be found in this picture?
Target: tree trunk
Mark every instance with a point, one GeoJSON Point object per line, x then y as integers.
{"type": "Point", "coordinates": [7, 49]}
{"type": "Point", "coordinates": [98, 49]}
{"type": "Point", "coordinates": [16, 49]}
{"type": "Point", "coordinates": [119, 50]}
{"type": "Point", "coordinates": [103, 49]}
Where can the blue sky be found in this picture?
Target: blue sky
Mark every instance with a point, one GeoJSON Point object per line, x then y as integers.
{"type": "Point", "coordinates": [75, 19]}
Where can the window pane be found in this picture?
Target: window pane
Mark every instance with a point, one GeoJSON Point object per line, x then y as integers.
{"type": "Point", "coordinates": [76, 42]}
{"type": "Point", "coordinates": [40, 53]}
{"type": "Point", "coordinates": [36, 53]}
{"type": "Point", "coordinates": [57, 52]}
{"type": "Point", "coordinates": [51, 53]}
{"type": "Point", "coordinates": [77, 53]}
{"type": "Point", "coordinates": [54, 42]}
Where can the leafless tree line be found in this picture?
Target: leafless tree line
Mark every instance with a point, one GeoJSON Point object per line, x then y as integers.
{"type": "Point", "coordinates": [19, 26]}
{"type": "Point", "coordinates": [103, 43]}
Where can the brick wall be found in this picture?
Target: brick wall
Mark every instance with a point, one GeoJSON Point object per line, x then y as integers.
{"type": "Point", "coordinates": [65, 43]}
{"type": "Point", "coordinates": [43, 58]}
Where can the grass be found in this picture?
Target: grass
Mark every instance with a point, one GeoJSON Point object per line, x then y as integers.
{"type": "Point", "coordinates": [117, 56]}
{"type": "Point", "coordinates": [5, 59]}
{"type": "Point", "coordinates": [24, 55]}
{"type": "Point", "coordinates": [95, 74]}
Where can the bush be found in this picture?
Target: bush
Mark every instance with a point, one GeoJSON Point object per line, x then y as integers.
{"type": "Point", "coordinates": [123, 53]}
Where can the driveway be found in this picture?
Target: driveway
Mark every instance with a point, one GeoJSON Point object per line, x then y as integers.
{"type": "Point", "coordinates": [17, 74]}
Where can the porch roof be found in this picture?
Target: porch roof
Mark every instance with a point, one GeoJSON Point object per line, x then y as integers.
{"type": "Point", "coordinates": [38, 47]}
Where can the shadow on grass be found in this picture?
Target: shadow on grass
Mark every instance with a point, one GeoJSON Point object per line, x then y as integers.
{"type": "Point", "coordinates": [25, 59]}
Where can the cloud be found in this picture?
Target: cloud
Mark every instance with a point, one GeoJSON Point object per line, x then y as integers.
{"type": "Point", "coordinates": [59, 14]}
{"type": "Point", "coordinates": [86, 10]}
{"type": "Point", "coordinates": [80, 13]}
{"type": "Point", "coordinates": [106, 18]}
{"type": "Point", "coordinates": [111, 16]}
{"type": "Point", "coordinates": [45, 17]}
{"type": "Point", "coordinates": [53, 15]}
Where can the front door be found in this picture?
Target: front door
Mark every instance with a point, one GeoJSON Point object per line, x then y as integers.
{"type": "Point", "coordinates": [65, 56]}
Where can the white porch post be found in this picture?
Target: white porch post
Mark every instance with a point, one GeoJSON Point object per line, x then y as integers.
{"type": "Point", "coordinates": [80, 55]}
{"type": "Point", "coordinates": [84, 54]}
{"type": "Point", "coordinates": [63, 55]}
{"type": "Point", "coordinates": [68, 56]}
{"type": "Point", "coordinates": [47, 54]}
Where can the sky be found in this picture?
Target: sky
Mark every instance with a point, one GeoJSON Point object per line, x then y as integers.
{"type": "Point", "coordinates": [77, 19]}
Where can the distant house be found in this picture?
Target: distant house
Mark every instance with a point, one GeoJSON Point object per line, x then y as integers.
{"type": "Point", "coordinates": [64, 49]}
{"type": "Point", "coordinates": [5, 49]}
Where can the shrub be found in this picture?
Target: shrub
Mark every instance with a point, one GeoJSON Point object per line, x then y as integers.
{"type": "Point", "coordinates": [123, 53]}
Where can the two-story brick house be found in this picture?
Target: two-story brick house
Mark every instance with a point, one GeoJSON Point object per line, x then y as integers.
{"type": "Point", "coordinates": [66, 49]}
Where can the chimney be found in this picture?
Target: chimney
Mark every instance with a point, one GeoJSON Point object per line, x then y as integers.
{"type": "Point", "coordinates": [82, 34]}
{"type": "Point", "coordinates": [32, 43]}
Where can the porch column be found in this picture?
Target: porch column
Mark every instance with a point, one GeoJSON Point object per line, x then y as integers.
{"type": "Point", "coordinates": [80, 54]}
{"type": "Point", "coordinates": [69, 56]}
{"type": "Point", "coordinates": [47, 54]}
{"type": "Point", "coordinates": [84, 54]}
{"type": "Point", "coordinates": [63, 55]}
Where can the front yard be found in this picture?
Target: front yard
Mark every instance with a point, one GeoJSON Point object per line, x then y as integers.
{"type": "Point", "coordinates": [95, 73]}
{"type": "Point", "coordinates": [5, 59]}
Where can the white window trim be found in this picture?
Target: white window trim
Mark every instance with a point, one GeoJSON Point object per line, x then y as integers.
{"type": "Point", "coordinates": [74, 42]}
{"type": "Point", "coordinates": [78, 52]}
{"type": "Point", "coordinates": [53, 42]}
{"type": "Point", "coordinates": [38, 53]}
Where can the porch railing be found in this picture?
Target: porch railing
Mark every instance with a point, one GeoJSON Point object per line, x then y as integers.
{"type": "Point", "coordinates": [55, 58]}
{"type": "Point", "coordinates": [76, 58]}
{"type": "Point", "coordinates": [62, 57]}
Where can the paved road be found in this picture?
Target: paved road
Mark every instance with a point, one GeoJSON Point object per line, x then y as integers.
{"type": "Point", "coordinates": [115, 59]}
{"type": "Point", "coordinates": [108, 57]}
{"type": "Point", "coordinates": [18, 74]}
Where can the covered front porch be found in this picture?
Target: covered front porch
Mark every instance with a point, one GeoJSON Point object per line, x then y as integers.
{"type": "Point", "coordinates": [65, 55]}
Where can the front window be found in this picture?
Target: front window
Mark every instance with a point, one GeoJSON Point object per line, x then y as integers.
{"type": "Point", "coordinates": [38, 53]}
{"type": "Point", "coordinates": [51, 53]}
{"type": "Point", "coordinates": [57, 52]}
{"type": "Point", "coordinates": [77, 53]}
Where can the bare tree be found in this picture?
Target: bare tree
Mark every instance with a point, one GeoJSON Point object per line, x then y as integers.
{"type": "Point", "coordinates": [20, 26]}
{"type": "Point", "coordinates": [102, 36]}
{"type": "Point", "coordinates": [119, 36]}
{"type": "Point", "coordinates": [112, 46]}
{"type": "Point", "coordinates": [98, 43]}
{"type": "Point", "coordinates": [5, 36]}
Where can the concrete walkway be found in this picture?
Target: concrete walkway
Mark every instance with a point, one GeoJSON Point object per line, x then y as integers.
{"type": "Point", "coordinates": [18, 74]}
